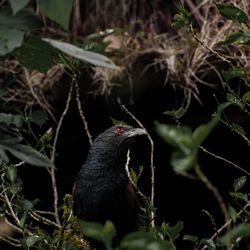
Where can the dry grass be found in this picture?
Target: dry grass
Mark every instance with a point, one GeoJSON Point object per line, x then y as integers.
{"type": "Point", "coordinates": [187, 58]}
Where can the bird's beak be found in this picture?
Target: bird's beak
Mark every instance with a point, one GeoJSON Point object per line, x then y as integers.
{"type": "Point", "coordinates": [136, 132]}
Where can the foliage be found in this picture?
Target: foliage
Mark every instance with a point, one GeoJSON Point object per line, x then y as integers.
{"type": "Point", "coordinates": [20, 38]}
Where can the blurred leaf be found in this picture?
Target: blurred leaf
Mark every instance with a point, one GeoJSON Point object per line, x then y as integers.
{"type": "Point", "coordinates": [239, 183]}
{"type": "Point", "coordinates": [12, 173]}
{"type": "Point", "coordinates": [109, 232]}
{"type": "Point", "coordinates": [87, 56]}
{"type": "Point", "coordinates": [24, 204]}
{"type": "Point", "coordinates": [17, 5]}
{"type": "Point", "coordinates": [92, 230]}
{"type": "Point", "coordinates": [117, 122]}
{"type": "Point", "coordinates": [3, 156]}
{"type": "Point", "coordinates": [27, 154]}
{"type": "Point", "coordinates": [57, 10]}
{"type": "Point", "coordinates": [191, 238]}
{"type": "Point", "coordinates": [36, 54]}
{"type": "Point", "coordinates": [10, 119]}
{"type": "Point", "coordinates": [236, 37]}
{"type": "Point", "coordinates": [172, 232]}
{"type": "Point", "coordinates": [144, 241]}
{"type": "Point", "coordinates": [232, 12]}
{"type": "Point", "coordinates": [23, 219]}
{"type": "Point", "coordinates": [9, 39]}
{"type": "Point", "coordinates": [24, 20]}
{"type": "Point", "coordinates": [233, 214]}
{"type": "Point", "coordinates": [183, 162]}
{"type": "Point", "coordinates": [232, 73]}
{"type": "Point", "coordinates": [32, 240]}
{"type": "Point", "coordinates": [179, 137]}
{"type": "Point", "coordinates": [246, 96]}
{"type": "Point", "coordinates": [241, 231]}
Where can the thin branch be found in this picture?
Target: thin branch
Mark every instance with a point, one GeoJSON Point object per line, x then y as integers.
{"type": "Point", "coordinates": [11, 241]}
{"type": "Point", "coordinates": [152, 167]}
{"type": "Point", "coordinates": [207, 47]}
{"type": "Point", "coordinates": [225, 160]}
{"type": "Point", "coordinates": [226, 225]}
{"type": "Point", "coordinates": [42, 219]}
{"type": "Point", "coordinates": [85, 123]}
{"type": "Point", "coordinates": [137, 190]}
{"type": "Point", "coordinates": [217, 196]}
{"type": "Point", "coordinates": [52, 170]}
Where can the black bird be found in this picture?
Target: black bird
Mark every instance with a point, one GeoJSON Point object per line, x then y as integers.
{"type": "Point", "coordinates": [102, 189]}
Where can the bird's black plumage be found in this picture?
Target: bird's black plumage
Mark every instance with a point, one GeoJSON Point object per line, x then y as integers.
{"type": "Point", "coordinates": [102, 188]}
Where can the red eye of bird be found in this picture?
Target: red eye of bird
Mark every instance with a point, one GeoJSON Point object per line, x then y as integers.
{"type": "Point", "coordinates": [119, 130]}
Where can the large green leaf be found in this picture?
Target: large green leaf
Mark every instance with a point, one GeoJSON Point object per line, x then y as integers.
{"type": "Point", "coordinates": [10, 119]}
{"type": "Point", "coordinates": [36, 54]}
{"type": "Point", "coordinates": [26, 153]}
{"type": "Point", "coordinates": [238, 72]}
{"type": "Point", "coordinates": [87, 56]}
{"type": "Point", "coordinates": [241, 231]}
{"type": "Point", "coordinates": [144, 241]}
{"type": "Point", "coordinates": [24, 20]}
{"type": "Point", "coordinates": [237, 37]}
{"type": "Point", "coordinates": [9, 39]}
{"type": "Point", "coordinates": [232, 12]}
{"type": "Point", "coordinates": [57, 10]}
{"type": "Point", "coordinates": [12, 28]}
{"type": "Point", "coordinates": [17, 5]}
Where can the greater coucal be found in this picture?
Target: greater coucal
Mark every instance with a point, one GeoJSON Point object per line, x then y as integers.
{"type": "Point", "coordinates": [102, 189]}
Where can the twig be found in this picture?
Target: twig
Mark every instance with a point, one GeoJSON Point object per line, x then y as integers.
{"type": "Point", "coordinates": [40, 218]}
{"type": "Point", "coordinates": [152, 167]}
{"type": "Point", "coordinates": [207, 47]}
{"type": "Point", "coordinates": [11, 241]}
{"type": "Point", "coordinates": [85, 123]}
{"type": "Point", "coordinates": [216, 194]}
{"type": "Point", "coordinates": [228, 222]}
{"type": "Point", "coordinates": [52, 170]}
{"type": "Point", "coordinates": [138, 191]}
{"type": "Point", "coordinates": [225, 160]}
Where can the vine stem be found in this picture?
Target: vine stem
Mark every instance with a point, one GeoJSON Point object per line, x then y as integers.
{"type": "Point", "coordinates": [53, 154]}
{"type": "Point", "coordinates": [152, 167]}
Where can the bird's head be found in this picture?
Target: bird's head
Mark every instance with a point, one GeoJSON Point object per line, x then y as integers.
{"type": "Point", "coordinates": [115, 141]}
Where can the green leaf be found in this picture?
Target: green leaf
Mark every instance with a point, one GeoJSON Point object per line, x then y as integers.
{"type": "Point", "coordinates": [239, 183]}
{"type": "Point", "coordinates": [241, 231]}
{"type": "Point", "coordinates": [27, 154]}
{"type": "Point", "coordinates": [92, 230]}
{"type": "Point", "coordinates": [191, 238]}
{"type": "Point", "coordinates": [232, 12]}
{"type": "Point", "coordinates": [209, 243]}
{"type": "Point", "coordinates": [246, 96]}
{"type": "Point", "coordinates": [86, 56]}
{"type": "Point", "coordinates": [57, 10]}
{"type": "Point", "coordinates": [172, 232]}
{"type": "Point", "coordinates": [10, 119]}
{"type": "Point", "coordinates": [109, 232]}
{"type": "Point", "coordinates": [235, 100]}
{"type": "Point", "coordinates": [144, 241]}
{"type": "Point", "coordinates": [39, 117]}
{"type": "Point", "coordinates": [175, 113]}
{"type": "Point", "coordinates": [24, 204]}
{"type": "Point", "coordinates": [179, 137]}
{"type": "Point", "coordinates": [36, 54]}
{"type": "Point", "coordinates": [183, 162]}
{"type": "Point", "coordinates": [239, 196]}
{"type": "Point", "coordinates": [236, 37]}
{"type": "Point", "coordinates": [24, 20]}
{"type": "Point", "coordinates": [181, 19]}
{"type": "Point", "coordinates": [232, 73]}
{"type": "Point", "coordinates": [233, 214]}
{"type": "Point", "coordinates": [238, 128]}
{"type": "Point", "coordinates": [12, 173]}
{"type": "Point", "coordinates": [10, 39]}
{"type": "Point", "coordinates": [17, 5]}
{"type": "Point", "coordinates": [3, 156]}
